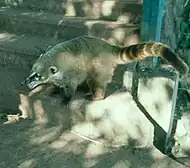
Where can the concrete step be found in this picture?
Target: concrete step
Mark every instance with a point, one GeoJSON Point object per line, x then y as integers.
{"type": "Point", "coordinates": [57, 26]}
{"type": "Point", "coordinates": [111, 9]}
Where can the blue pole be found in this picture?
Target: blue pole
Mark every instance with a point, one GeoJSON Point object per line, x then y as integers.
{"type": "Point", "coordinates": [151, 23]}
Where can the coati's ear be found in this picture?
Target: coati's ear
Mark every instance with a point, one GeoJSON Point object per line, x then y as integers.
{"type": "Point", "coordinates": [53, 69]}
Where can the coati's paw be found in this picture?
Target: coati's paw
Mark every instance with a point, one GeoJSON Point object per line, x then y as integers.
{"type": "Point", "coordinates": [176, 148]}
{"type": "Point", "coordinates": [13, 119]}
{"type": "Point", "coordinates": [97, 98]}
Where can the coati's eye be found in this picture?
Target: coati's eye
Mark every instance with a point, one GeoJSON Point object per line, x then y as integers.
{"type": "Point", "coordinates": [53, 69]}
{"type": "Point", "coordinates": [41, 55]}
{"type": "Point", "coordinates": [38, 76]}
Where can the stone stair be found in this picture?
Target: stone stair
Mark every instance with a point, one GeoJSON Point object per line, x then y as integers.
{"type": "Point", "coordinates": [29, 27]}
{"type": "Point", "coordinates": [79, 8]}
{"type": "Point", "coordinates": [56, 26]}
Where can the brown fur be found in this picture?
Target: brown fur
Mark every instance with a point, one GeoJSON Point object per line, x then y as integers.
{"type": "Point", "coordinates": [92, 60]}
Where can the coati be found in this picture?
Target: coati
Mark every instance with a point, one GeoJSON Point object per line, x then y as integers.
{"type": "Point", "coordinates": [92, 60]}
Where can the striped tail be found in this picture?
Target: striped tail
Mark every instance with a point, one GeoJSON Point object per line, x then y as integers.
{"type": "Point", "coordinates": [148, 49]}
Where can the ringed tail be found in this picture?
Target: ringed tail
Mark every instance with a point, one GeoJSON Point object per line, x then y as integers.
{"type": "Point", "coordinates": [149, 49]}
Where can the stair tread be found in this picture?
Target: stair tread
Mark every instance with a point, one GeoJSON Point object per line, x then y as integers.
{"type": "Point", "coordinates": [24, 43]}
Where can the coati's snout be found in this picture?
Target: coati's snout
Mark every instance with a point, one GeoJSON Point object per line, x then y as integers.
{"type": "Point", "coordinates": [33, 80]}
{"type": "Point", "coordinates": [39, 76]}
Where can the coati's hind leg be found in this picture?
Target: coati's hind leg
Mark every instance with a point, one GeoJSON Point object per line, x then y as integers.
{"type": "Point", "coordinates": [99, 93]}
{"type": "Point", "coordinates": [97, 89]}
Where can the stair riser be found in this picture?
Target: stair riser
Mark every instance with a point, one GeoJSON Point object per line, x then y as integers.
{"type": "Point", "coordinates": [27, 26]}
{"type": "Point", "coordinates": [93, 9]}
{"type": "Point", "coordinates": [67, 29]}
{"type": "Point", "coordinates": [14, 58]}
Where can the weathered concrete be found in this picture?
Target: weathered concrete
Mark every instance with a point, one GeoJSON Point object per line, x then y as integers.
{"type": "Point", "coordinates": [113, 121]}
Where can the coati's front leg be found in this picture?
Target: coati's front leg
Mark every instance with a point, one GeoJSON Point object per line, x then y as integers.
{"type": "Point", "coordinates": [70, 88]}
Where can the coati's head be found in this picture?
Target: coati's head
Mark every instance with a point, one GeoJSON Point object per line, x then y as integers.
{"type": "Point", "coordinates": [42, 73]}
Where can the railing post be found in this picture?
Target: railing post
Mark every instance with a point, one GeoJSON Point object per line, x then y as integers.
{"type": "Point", "coordinates": [151, 24]}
